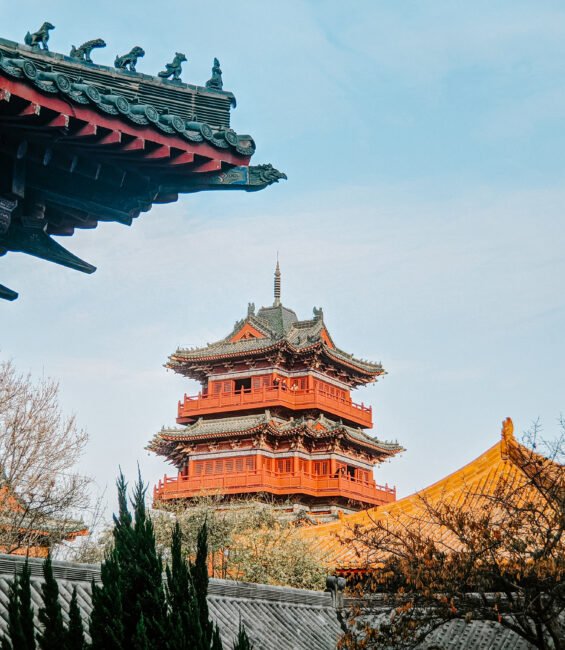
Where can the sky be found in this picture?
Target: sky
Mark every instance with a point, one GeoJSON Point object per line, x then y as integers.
{"type": "Point", "coordinates": [424, 148]}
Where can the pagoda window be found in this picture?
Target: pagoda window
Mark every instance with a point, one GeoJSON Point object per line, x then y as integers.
{"type": "Point", "coordinates": [283, 465]}
{"type": "Point", "coordinates": [243, 385]}
{"type": "Point", "coordinates": [227, 387]}
{"type": "Point", "coordinates": [321, 468]}
{"type": "Point", "coordinates": [229, 466]}
{"type": "Point", "coordinates": [250, 463]}
{"type": "Point", "coordinates": [351, 472]}
{"type": "Point", "coordinates": [217, 387]}
{"type": "Point", "coordinates": [239, 465]}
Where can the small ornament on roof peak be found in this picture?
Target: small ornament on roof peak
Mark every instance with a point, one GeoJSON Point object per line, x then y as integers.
{"type": "Point", "coordinates": [318, 313]}
{"type": "Point", "coordinates": [40, 37]}
{"type": "Point", "coordinates": [129, 59]}
{"type": "Point", "coordinates": [215, 82]}
{"type": "Point", "coordinates": [175, 68]}
{"type": "Point", "coordinates": [250, 309]}
{"type": "Point", "coordinates": [277, 285]}
{"type": "Point", "coordinates": [83, 52]}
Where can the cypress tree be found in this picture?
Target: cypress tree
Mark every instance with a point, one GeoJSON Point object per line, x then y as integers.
{"type": "Point", "coordinates": [242, 642]}
{"type": "Point", "coordinates": [26, 608]}
{"type": "Point", "coordinates": [53, 635]}
{"type": "Point", "coordinates": [199, 574]}
{"type": "Point", "coordinates": [15, 637]}
{"type": "Point", "coordinates": [75, 633]}
{"type": "Point", "coordinates": [21, 633]}
{"type": "Point", "coordinates": [185, 630]}
{"type": "Point", "coordinates": [106, 619]}
{"type": "Point", "coordinates": [139, 641]}
{"type": "Point", "coordinates": [132, 577]}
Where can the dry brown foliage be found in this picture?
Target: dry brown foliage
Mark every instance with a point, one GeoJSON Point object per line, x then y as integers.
{"type": "Point", "coordinates": [496, 555]}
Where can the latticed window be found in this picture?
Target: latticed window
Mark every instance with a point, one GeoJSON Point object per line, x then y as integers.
{"type": "Point", "coordinates": [239, 465]}
{"type": "Point", "coordinates": [229, 466]}
{"type": "Point", "coordinates": [321, 467]}
{"type": "Point", "coordinates": [250, 463]}
{"type": "Point", "coordinates": [283, 465]}
{"type": "Point", "coordinates": [208, 467]}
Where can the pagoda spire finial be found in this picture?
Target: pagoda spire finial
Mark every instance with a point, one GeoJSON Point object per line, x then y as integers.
{"type": "Point", "coordinates": [277, 284]}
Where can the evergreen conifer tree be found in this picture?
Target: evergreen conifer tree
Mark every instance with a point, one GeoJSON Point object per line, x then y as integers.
{"type": "Point", "coordinates": [106, 620]}
{"type": "Point", "coordinates": [21, 632]}
{"type": "Point", "coordinates": [133, 572]}
{"type": "Point", "coordinates": [242, 642]}
{"type": "Point", "coordinates": [75, 633]}
{"type": "Point", "coordinates": [199, 574]}
{"type": "Point", "coordinates": [185, 630]}
{"type": "Point", "coordinates": [15, 636]}
{"type": "Point", "coordinates": [53, 636]}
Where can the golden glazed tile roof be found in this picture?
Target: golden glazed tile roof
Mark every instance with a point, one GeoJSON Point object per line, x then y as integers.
{"type": "Point", "coordinates": [507, 461]}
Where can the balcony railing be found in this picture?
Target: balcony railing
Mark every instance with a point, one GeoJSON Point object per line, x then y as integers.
{"type": "Point", "coordinates": [295, 399]}
{"type": "Point", "coordinates": [262, 480]}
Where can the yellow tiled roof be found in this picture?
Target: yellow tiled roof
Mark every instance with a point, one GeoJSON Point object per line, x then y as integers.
{"type": "Point", "coordinates": [507, 460]}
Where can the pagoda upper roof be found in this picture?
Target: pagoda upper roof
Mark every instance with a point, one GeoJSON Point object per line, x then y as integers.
{"type": "Point", "coordinates": [165, 441]}
{"type": "Point", "coordinates": [469, 487]}
{"type": "Point", "coordinates": [275, 328]}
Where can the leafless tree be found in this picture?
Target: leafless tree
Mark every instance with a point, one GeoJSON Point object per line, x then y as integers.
{"type": "Point", "coordinates": [41, 493]}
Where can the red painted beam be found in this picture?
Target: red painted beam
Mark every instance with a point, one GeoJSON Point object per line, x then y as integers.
{"type": "Point", "coordinates": [137, 144]}
{"type": "Point", "coordinates": [61, 121]}
{"type": "Point", "coordinates": [163, 151]}
{"type": "Point", "coordinates": [85, 131]}
{"type": "Point", "coordinates": [31, 109]}
{"type": "Point", "coordinates": [208, 166]}
{"type": "Point", "coordinates": [114, 137]}
{"type": "Point", "coordinates": [91, 116]}
{"type": "Point", "coordinates": [185, 158]}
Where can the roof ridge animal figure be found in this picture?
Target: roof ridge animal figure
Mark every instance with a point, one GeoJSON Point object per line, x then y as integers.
{"type": "Point", "coordinates": [129, 59]}
{"type": "Point", "coordinates": [215, 83]}
{"type": "Point", "coordinates": [174, 69]}
{"type": "Point", "coordinates": [40, 37]}
{"type": "Point", "coordinates": [83, 52]}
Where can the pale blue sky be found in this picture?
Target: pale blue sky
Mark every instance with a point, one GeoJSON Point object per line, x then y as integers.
{"type": "Point", "coordinates": [424, 147]}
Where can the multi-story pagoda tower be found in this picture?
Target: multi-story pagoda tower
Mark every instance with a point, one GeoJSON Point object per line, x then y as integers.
{"type": "Point", "coordinates": [275, 417]}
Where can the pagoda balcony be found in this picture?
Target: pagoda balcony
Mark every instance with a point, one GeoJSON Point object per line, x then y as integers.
{"type": "Point", "coordinates": [269, 396]}
{"type": "Point", "coordinates": [267, 481]}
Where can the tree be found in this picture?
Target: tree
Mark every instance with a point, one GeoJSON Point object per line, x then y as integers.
{"type": "Point", "coordinates": [20, 614]}
{"type": "Point", "coordinates": [75, 633]}
{"type": "Point", "coordinates": [242, 642]}
{"type": "Point", "coordinates": [131, 581]}
{"type": "Point", "coordinates": [39, 449]}
{"type": "Point", "coordinates": [491, 553]}
{"type": "Point", "coordinates": [247, 541]}
{"type": "Point", "coordinates": [185, 624]}
{"type": "Point", "coordinates": [53, 635]}
{"type": "Point", "coordinates": [131, 608]}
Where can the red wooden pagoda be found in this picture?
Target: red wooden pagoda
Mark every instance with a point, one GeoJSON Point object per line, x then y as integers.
{"type": "Point", "coordinates": [275, 417]}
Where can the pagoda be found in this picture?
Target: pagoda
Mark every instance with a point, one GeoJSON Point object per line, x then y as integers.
{"type": "Point", "coordinates": [82, 143]}
{"type": "Point", "coordinates": [275, 418]}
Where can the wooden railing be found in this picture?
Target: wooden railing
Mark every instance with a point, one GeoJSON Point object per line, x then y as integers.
{"type": "Point", "coordinates": [263, 480]}
{"type": "Point", "coordinates": [295, 399]}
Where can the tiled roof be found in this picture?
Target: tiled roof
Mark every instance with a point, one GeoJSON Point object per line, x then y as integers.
{"type": "Point", "coordinates": [320, 427]}
{"type": "Point", "coordinates": [505, 460]}
{"type": "Point", "coordinates": [131, 96]}
{"type": "Point", "coordinates": [274, 617]}
{"type": "Point", "coordinates": [282, 330]}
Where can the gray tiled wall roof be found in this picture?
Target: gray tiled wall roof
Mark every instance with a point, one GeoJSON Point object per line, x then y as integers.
{"type": "Point", "coordinates": [276, 618]}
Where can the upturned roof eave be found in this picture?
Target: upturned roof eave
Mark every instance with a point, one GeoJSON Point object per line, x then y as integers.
{"type": "Point", "coordinates": [183, 357]}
